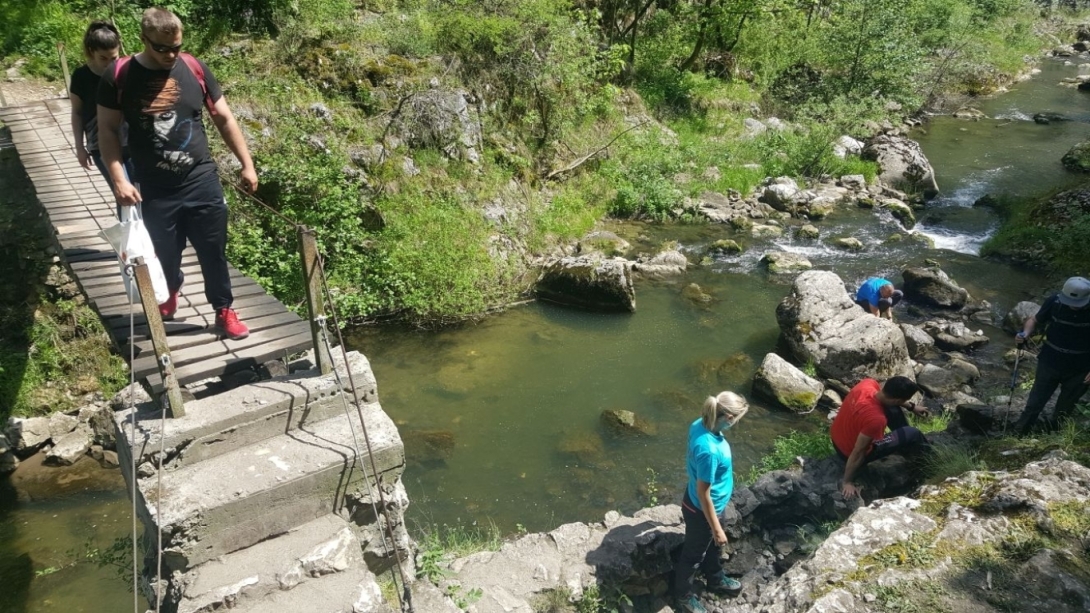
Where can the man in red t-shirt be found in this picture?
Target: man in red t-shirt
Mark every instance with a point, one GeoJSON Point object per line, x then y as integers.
{"type": "Point", "coordinates": [859, 429]}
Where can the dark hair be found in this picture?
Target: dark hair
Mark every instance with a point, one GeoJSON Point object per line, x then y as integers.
{"type": "Point", "coordinates": [900, 388]}
{"type": "Point", "coordinates": [101, 36]}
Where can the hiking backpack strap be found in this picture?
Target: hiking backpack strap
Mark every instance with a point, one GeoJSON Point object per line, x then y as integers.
{"type": "Point", "coordinates": [121, 71]}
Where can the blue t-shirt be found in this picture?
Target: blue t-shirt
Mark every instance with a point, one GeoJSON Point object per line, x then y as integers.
{"type": "Point", "coordinates": [709, 460]}
{"type": "Point", "coordinates": [869, 290]}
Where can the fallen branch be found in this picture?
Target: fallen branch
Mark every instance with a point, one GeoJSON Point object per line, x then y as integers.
{"type": "Point", "coordinates": [583, 160]}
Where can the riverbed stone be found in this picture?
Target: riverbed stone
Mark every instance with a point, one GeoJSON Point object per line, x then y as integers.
{"type": "Point", "coordinates": [588, 282]}
{"type": "Point", "coordinates": [821, 323]}
{"type": "Point", "coordinates": [696, 294]}
{"type": "Point", "coordinates": [626, 423]}
{"type": "Point", "coordinates": [61, 424]}
{"type": "Point", "coordinates": [938, 381]}
{"type": "Point", "coordinates": [955, 336]}
{"type": "Point", "coordinates": [785, 263]}
{"type": "Point", "coordinates": [807, 232]}
{"type": "Point", "coordinates": [1015, 319]}
{"type": "Point", "coordinates": [781, 382]}
{"type": "Point", "coordinates": [668, 263]}
{"type": "Point", "coordinates": [765, 231]}
{"type": "Point", "coordinates": [27, 434]}
{"type": "Point", "coordinates": [725, 246]}
{"type": "Point", "coordinates": [900, 211]}
{"type": "Point", "coordinates": [1078, 157]}
{"type": "Point", "coordinates": [68, 449]}
{"type": "Point", "coordinates": [780, 193]}
{"type": "Point", "coordinates": [903, 164]}
{"type": "Point", "coordinates": [848, 243]}
{"type": "Point", "coordinates": [845, 146]}
{"type": "Point", "coordinates": [917, 341]}
{"type": "Point", "coordinates": [933, 287]}
{"type": "Point", "coordinates": [603, 241]}
{"type": "Point", "coordinates": [8, 462]}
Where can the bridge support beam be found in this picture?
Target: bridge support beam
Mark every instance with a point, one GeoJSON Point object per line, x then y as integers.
{"type": "Point", "coordinates": [172, 395]}
{"type": "Point", "coordinates": [312, 282]}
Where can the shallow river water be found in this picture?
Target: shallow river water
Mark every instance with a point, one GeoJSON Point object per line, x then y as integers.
{"type": "Point", "coordinates": [501, 419]}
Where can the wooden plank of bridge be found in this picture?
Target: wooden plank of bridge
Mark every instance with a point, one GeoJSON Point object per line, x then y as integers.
{"type": "Point", "coordinates": [79, 204]}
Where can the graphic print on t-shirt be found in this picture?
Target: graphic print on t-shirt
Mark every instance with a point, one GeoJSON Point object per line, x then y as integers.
{"type": "Point", "coordinates": [170, 135]}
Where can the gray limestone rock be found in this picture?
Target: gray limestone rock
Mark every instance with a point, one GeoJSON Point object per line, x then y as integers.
{"type": "Point", "coordinates": [68, 449]}
{"type": "Point", "coordinates": [26, 435]}
{"type": "Point", "coordinates": [61, 424]}
{"type": "Point", "coordinates": [931, 286]}
{"type": "Point", "coordinates": [917, 341]}
{"type": "Point", "coordinates": [133, 394]}
{"type": "Point", "coordinates": [785, 263]}
{"type": "Point", "coordinates": [588, 282]}
{"type": "Point", "coordinates": [848, 243]}
{"type": "Point", "coordinates": [780, 381]}
{"type": "Point", "coordinates": [845, 146]}
{"type": "Point", "coordinates": [1053, 585]}
{"type": "Point", "coordinates": [903, 164]}
{"type": "Point", "coordinates": [821, 323]}
{"type": "Point", "coordinates": [668, 263]}
{"type": "Point", "coordinates": [765, 231]}
{"type": "Point", "coordinates": [854, 182]}
{"type": "Point", "coordinates": [725, 246]}
{"type": "Point", "coordinates": [807, 232]}
{"type": "Point", "coordinates": [937, 381]}
{"type": "Point", "coordinates": [780, 193]}
{"type": "Point", "coordinates": [1015, 319]}
{"type": "Point", "coordinates": [954, 336]}
{"type": "Point", "coordinates": [900, 211]}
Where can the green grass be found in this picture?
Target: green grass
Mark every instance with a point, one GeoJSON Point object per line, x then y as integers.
{"type": "Point", "coordinates": [440, 543]}
{"type": "Point", "coordinates": [950, 461]}
{"type": "Point", "coordinates": [788, 447]}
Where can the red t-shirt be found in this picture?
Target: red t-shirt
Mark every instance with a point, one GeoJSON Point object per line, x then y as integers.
{"type": "Point", "coordinates": [861, 413]}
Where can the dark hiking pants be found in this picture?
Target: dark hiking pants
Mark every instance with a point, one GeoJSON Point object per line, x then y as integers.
{"type": "Point", "coordinates": [1072, 387]}
{"type": "Point", "coordinates": [171, 221]}
{"type": "Point", "coordinates": [699, 549]}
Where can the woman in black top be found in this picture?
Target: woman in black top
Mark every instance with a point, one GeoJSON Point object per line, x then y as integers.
{"type": "Point", "coordinates": [101, 46]}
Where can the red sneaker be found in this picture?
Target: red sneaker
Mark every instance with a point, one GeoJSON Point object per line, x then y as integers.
{"type": "Point", "coordinates": [228, 323]}
{"type": "Point", "coordinates": [170, 307]}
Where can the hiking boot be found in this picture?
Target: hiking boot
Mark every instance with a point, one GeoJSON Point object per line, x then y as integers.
{"type": "Point", "coordinates": [170, 307]}
{"type": "Point", "coordinates": [690, 604]}
{"type": "Point", "coordinates": [720, 583]}
{"type": "Point", "coordinates": [227, 322]}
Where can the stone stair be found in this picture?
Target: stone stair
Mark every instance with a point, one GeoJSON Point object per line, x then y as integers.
{"type": "Point", "coordinates": [258, 480]}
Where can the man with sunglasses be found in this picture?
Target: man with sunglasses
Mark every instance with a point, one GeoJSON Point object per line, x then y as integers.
{"type": "Point", "coordinates": [162, 100]}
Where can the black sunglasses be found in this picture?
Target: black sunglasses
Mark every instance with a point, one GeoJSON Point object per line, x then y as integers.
{"type": "Point", "coordinates": [162, 48]}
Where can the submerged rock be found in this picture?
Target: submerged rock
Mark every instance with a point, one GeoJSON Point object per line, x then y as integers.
{"type": "Point", "coordinates": [1078, 157]}
{"type": "Point", "coordinates": [778, 380]}
{"type": "Point", "coordinates": [848, 243]}
{"type": "Point", "coordinates": [696, 294]}
{"type": "Point", "coordinates": [627, 423]}
{"type": "Point", "coordinates": [821, 323]}
{"type": "Point", "coordinates": [785, 263]}
{"type": "Point", "coordinates": [668, 263]}
{"type": "Point", "coordinates": [588, 282]}
{"type": "Point", "coordinates": [725, 247]}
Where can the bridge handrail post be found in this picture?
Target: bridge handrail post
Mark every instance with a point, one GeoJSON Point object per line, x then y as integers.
{"type": "Point", "coordinates": [312, 283]}
{"type": "Point", "coordinates": [173, 392]}
{"type": "Point", "coordinates": [64, 68]}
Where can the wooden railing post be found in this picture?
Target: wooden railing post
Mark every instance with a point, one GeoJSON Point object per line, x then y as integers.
{"type": "Point", "coordinates": [173, 393]}
{"type": "Point", "coordinates": [3, 102]}
{"type": "Point", "coordinates": [64, 69]}
{"type": "Point", "coordinates": [312, 282]}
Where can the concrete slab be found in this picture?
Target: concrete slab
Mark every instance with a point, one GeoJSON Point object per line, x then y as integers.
{"type": "Point", "coordinates": [242, 497]}
{"type": "Point", "coordinates": [321, 547]}
{"type": "Point", "coordinates": [245, 415]}
{"type": "Point", "coordinates": [338, 593]}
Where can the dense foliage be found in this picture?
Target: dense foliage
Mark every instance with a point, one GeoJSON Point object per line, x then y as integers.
{"type": "Point", "coordinates": [666, 84]}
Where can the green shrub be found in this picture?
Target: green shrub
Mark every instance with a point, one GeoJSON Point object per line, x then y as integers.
{"type": "Point", "coordinates": [790, 446]}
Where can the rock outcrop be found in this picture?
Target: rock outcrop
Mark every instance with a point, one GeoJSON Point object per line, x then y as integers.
{"type": "Point", "coordinates": [822, 324]}
{"type": "Point", "coordinates": [589, 282]}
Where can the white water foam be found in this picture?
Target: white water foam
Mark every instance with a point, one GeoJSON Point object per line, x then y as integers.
{"type": "Point", "coordinates": [955, 241]}
{"type": "Point", "coordinates": [1014, 115]}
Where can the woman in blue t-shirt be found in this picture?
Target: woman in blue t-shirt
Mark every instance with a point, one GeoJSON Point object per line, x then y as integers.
{"type": "Point", "coordinates": [711, 482]}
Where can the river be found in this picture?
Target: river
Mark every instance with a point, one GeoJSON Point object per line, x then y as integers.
{"type": "Point", "coordinates": [501, 418]}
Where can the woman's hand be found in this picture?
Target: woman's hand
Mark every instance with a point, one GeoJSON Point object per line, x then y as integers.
{"type": "Point", "coordinates": [719, 536]}
{"type": "Point", "coordinates": [84, 158]}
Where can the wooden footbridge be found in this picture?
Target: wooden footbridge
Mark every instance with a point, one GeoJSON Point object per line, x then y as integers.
{"type": "Point", "coordinates": [79, 204]}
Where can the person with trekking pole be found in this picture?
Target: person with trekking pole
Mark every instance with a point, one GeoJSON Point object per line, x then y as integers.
{"type": "Point", "coordinates": [1064, 360]}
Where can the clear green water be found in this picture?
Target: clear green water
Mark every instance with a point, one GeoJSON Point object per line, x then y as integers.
{"type": "Point", "coordinates": [501, 419]}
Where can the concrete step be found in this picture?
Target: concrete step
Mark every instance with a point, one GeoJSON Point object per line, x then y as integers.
{"type": "Point", "coordinates": [245, 496]}
{"type": "Point", "coordinates": [245, 415]}
{"type": "Point", "coordinates": [311, 553]}
{"type": "Point", "coordinates": [342, 593]}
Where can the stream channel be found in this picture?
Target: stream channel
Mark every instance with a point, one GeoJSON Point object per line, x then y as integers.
{"type": "Point", "coordinates": [501, 419]}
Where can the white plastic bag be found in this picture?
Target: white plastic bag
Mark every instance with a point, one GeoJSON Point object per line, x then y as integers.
{"type": "Point", "coordinates": [130, 239]}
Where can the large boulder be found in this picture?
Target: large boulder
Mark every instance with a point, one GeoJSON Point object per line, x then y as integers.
{"type": "Point", "coordinates": [955, 336]}
{"type": "Point", "coordinates": [780, 193]}
{"type": "Point", "coordinates": [26, 435]}
{"type": "Point", "coordinates": [778, 380]}
{"type": "Point", "coordinates": [1014, 320]}
{"type": "Point", "coordinates": [444, 120]}
{"type": "Point", "coordinates": [1078, 157]}
{"type": "Point", "coordinates": [822, 324]}
{"type": "Point", "coordinates": [917, 341]}
{"type": "Point", "coordinates": [939, 381]}
{"type": "Point", "coordinates": [68, 449]}
{"type": "Point", "coordinates": [933, 287]}
{"type": "Point", "coordinates": [589, 282]}
{"type": "Point", "coordinates": [903, 164]}
{"type": "Point", "coordinates": [669, 263]}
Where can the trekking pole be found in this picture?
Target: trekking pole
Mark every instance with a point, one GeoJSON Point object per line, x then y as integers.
{"type": "Point", "coordinates": [1014, 383]}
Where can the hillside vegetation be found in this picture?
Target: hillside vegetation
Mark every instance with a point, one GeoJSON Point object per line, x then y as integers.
{"type": "Point", "coordinates": [438, 145]}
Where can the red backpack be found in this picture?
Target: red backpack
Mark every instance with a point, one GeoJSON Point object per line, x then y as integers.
{"type": "Point", "coordinates": [121, 71]}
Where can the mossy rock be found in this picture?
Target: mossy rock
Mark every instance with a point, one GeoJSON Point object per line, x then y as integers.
{"type": "Point", "coordinates": [848, 243]}
{"type": "Point", "coordinates": [807, 232]}
{"type": "Point", "coordinates": [626, 423]}
{"type": "Point", "coordinates": [585, 447]}
{"type": "Point", "coordinates": [1078, 158]}
{"type": "Point", "coordinates": [741, 223]}
{"type": "Point", "coordinates": [696, 294]}
{"type": "Point", "coordinates": [901, 212]}
{"type": "Point", "coordinates": [725, 247]}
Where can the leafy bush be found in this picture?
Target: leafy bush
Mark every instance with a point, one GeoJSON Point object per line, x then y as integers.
{"type": "Point", "coordinates": [790, 446]}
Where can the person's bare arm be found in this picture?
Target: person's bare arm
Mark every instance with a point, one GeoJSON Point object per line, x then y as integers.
{"type": "Point", "coordinates": [704, 492]}
{"type": "Point", "coordinates": [855, 460]}
{"type": "Point", "coordinates": [77, 131]}
{"type": "Point", "coordinates": [109, 143]}
{"type": "Point", "coordinates": [232, 136]}
{"type": "Point", "coordinates": [1029, 326]}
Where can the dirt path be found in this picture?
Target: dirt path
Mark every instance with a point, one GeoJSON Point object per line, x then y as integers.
{"type": "Point", "coordinates": [21, 91]}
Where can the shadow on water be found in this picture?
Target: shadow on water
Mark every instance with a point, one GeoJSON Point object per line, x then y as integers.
{"type": "Point", "coordinates": [16, 568]}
